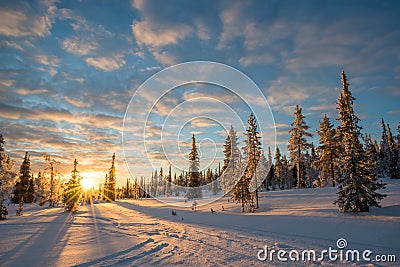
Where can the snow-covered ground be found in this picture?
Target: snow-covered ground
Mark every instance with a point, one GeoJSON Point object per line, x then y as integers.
{"type": "Point", "coordinates": [145, 233]}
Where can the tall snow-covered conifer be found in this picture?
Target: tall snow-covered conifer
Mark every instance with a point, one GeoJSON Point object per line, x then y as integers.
{"type": "Point", "coordinates": [384, 152]}
{"type": "Point", "coordinates": [252, 152]}
{"type": "Point", "coordinates": [357, 183]}
{"type": "Point", "coordinates": [328, 152]}
{"type": "Point", "coordinates": [73, 190]}
{"type": "Point", "coordinates": [394, 171]}
{"type": "Point", "coordinates": [298, 145]}
{"type": "Point", "coordinates": [277, 177]}
{"type": "Point", "coordinates": [21, 186]}
{"type": "Point", "coordinates": [232, 168]}
{"type": "Point", "coordinates": [194, 189]}
{"type": "Point", "coordinates": [7, 174]}
{"type": "Point", "coordinates": [110, 186]}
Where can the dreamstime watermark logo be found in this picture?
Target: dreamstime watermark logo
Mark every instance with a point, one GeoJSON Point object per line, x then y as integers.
{"type": "Point", "coordinates": [330, 254]}
{"type": "Point", "coordinates": [202, 98]}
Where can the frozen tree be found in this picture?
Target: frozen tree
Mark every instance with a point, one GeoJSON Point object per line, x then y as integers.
{"type": "Point", "coordinates": [394, 171]}
{"type": "Point", "coordinates": [73, 190]}
{"type": "Point", "coordinates": [3, 210]}
{"type": "Point", "coordinates": [231, 176]}
{"type": "Point", "coordinates": [168, 183]}
{"type": "Point", "coordinates": [232, 168]}
{"type": "Point", "coordinates": [194, 190]}
{"type": "Point", "coordinates": [269, 157]}
{"type": "Point", "coordinates": [384, 152]}
{"type": "Point", "coordinates": [260, 174]}
{"type": "Point", "coordinates": [276, 178]}
{"type": "Point", "coordinates": [160, 181]}
{"type": "Point", "coordinates": [230, 147]}
{"type": "Point", "coordinates": [7, 174]}
{"type": "Point", "coordinates": [298, 145]}
{"type": "Point", "coordinates": [286, 177]}
{"type": "Point", "coordinates": [127, 189]}
{"type": "Point", "coordinates": [312, 166]}
{"type": "Point", "coordinates": [153, 183]}
{"type": "Point", "coordinates": [252, 152]}
{"type": "Point", "coordinates": [398, 151]}
{"type": "Point", "coordinates": [357, 183]}
{"type": "Point", "coordinates": [31, 190]}
{"type": "Point", "coordinates": [54, 183]}
{"type": "Point", "coordinates": [209, 178]}
{"type": "Point", "coordinates": [21, 186]}
{"type": "Point", "coordinates": [328, 152]}
{"type": "Point", "coordinates": [214, 183]}
{"type": "Point", "coordinates": [42, 189]}
{"type": "Point", "coordinates": [371, 152]}
{"type": "Point", "coordinates": [4, 179]}
{"type": "Point", "coordinates": [111, 180]}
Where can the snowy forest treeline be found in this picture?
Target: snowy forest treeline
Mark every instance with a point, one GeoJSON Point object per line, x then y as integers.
{"type": "Point", "coordinates": [344, 157]}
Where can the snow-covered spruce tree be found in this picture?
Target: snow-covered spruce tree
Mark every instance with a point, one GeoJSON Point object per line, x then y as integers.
{"type": "Point", "coordinates": [276, 178]}
{"type": "Point", "coordinates": [328, 152]}
{"type": "Point", "coordinates": [298, 145]}
{"type": "Point", "coordinates": [230, 147]}
{"type": "Point", "coordinates": [109, 187]}
{"type": "Point", "coordinates": [398, 150]}
{"type": "Point", "coordinates": [103, 189]}
{"type": "Point", "coordinates": [384, 152]}
{"type": "Point", "coordinates": [3, 178]}
{"type": "Point", "coordinates": [214, 183]}
{"type": "Point", "coordinates": [312, 167]}
{"type": "Point", "coordinates": [254, 157]}
{"type": "Point", "coordinates": [209, 178]}
{"type": "Point", "coordinates": [394, 171]}
{"type": "Point", "coordinates": [7, 173]}
{"type": "Point", "coordinates": [73, 190]}
{"type": "Point", "coordinates": [53, 185]}
{"type": "Point", "coordinates": [252, 151]}
{"type": "Point", "coordinates": [152, 191]}
{"type": "Point", "coordinates": [21, 186]}
{"type": "Point", "coordinates": [357, 183]}
{"type": "Point", "coordinates": [231, 176]}
{"type": "Point", "coordinates": [260, 174]}
{"type": "Point", "coordinates": [3, 210]}
{"type": "Point", "coordinates": [155, 186]}
{"type": "Point", "coordinates": [371, 152]}
{"type": "Point", "coordinates": [194, 190]}
{"type": "Point", "coordinates": [42, 189]}
{"type": "Point", "coordinates": [168, 183]}
{"type": "Point", "coordinates": [160, 181]}
{"type": "Point", "coordinates": [286, 177]}
{"type": "Point", "coordinates": [232, 168]}
{"type": "Point", "coordinates": [30, 191]}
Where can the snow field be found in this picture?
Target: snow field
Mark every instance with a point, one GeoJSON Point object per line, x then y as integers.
{"type": "Point", "coordinates": [145, 233]}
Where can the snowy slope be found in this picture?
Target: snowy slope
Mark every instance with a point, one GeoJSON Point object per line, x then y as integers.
{"type": "Point", "coordinates": [144, 232]}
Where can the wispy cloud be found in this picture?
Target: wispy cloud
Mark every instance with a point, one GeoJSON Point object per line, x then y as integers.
{"type": "Point", "coordinates": [112, 63]}
{"type": "Point", "coordinates": [76, 103]}
{"type": "Point", "coordinates": [47, 60]}
{"type": "Point", "coordinates": [25, 91]}
{"type": "Point", "coordinates": [322, 107]}
{"type": "Point", "coordinates": [12, 44]}
{"type": "Point", "coordinates": [159, 35]}
{"type": "Point", "coordinates": [25, 21]}
{"type": "Point", "coordinates": [79, 46]}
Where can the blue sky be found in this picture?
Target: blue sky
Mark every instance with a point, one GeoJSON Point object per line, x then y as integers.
{"type": "Point", "coordinates": [69, 68]}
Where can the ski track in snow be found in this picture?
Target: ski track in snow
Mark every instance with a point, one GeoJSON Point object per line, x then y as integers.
{"type": "Point", "coordinates": [144, 232]}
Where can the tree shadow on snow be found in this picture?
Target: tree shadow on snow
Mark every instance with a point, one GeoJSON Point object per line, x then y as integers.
{"type": "Point", "coordinates": [392, 211]}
